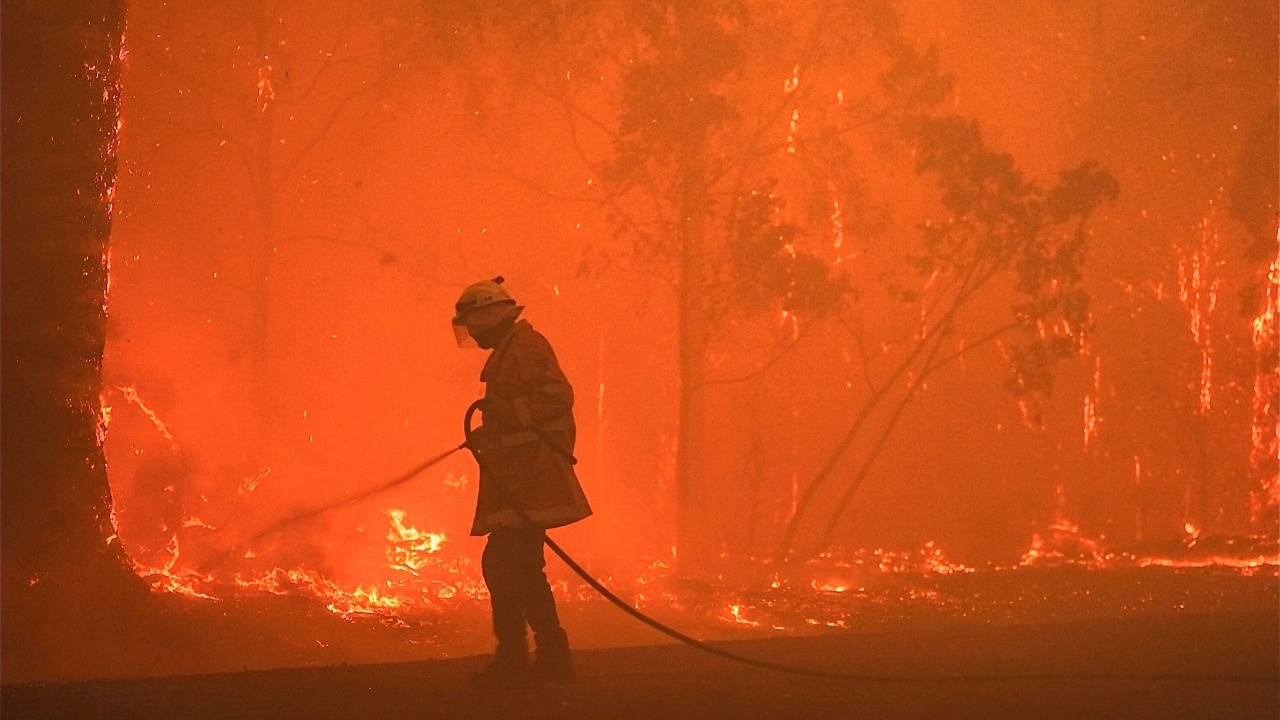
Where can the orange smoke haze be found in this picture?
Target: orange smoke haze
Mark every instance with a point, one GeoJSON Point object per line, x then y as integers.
{"type": "Point", "coordinates": [302, 196]}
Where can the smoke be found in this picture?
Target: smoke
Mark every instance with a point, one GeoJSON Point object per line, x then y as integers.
{"type": "Point", "coordinates": [303, 196]}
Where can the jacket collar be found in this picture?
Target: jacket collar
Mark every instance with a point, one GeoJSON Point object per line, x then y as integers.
{"type": "Point", "coordinates": [500, 350]}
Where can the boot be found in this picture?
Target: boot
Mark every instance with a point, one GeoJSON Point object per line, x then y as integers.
{"type": "Point", "coordinates": [553, 664]}
{"type": "Point", "coordinates": [508, 669]}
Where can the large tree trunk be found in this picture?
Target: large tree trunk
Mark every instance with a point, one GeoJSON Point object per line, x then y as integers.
{"type": "Point", "coordinates": [261, 393]}
{"type": "Point", "coordinates": [1202, 494]}
{"type": "Point", "coordinates": [695, 534]}
{"type": "Point", "coordinates": [60, 66]}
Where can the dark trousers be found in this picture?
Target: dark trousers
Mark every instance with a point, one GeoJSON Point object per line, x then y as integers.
{"type": "Point", "coordinates": [519, 593]}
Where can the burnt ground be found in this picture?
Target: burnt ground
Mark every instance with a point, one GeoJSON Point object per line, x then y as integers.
{"type": "Point", "coordinates": [1101, 664]}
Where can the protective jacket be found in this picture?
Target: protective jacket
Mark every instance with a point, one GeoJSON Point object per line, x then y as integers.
{"type": "Point", "coordinates": [527, 437]}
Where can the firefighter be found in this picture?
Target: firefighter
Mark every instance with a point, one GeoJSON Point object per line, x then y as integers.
{"type": "Point", "coordinates": [527, 481]}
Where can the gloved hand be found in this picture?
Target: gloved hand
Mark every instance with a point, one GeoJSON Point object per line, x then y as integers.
{"type": "Point", "coordinates": [482, 439]}
{"type": "Point", "coordinates": [497, 411]}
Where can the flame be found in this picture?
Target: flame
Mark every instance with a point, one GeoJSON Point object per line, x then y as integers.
{"type": "Point", "coordinates": [131, 394]}
{"type": "Point", "coordinates": [266, 88]}
{"type": "Point", "coordinates": [428, 583]}
{"type": "Point", "coordinates": [792, 127]}
{"type": "Point", "coordinates": [115, 525]}
{"type": "Point", "coordinates": [422, 579]}
{"type": "Point", "coordinates": [1091, 405]}
{"type": "Point", "coordinates": [190, 521]}
{"type": "Point", "coordinates": [363, 601]}
{"type": "Point", "coordinates": [164, 577]}
{"type": "Point", "coordinates": [831, 586]}
{"type": "Point", "coordinates": [108, 78]}
{"type": "Point", "coordinates": [1264, 424]}
{"type": "Point", "coordinates": [735, 612]}
{"type": "Point", "coordinates": [1222, 561]}
{"type": "Point", "coordinates": [103, 420]}
{"type": "Point", "coordinates": [408, 547]}
{"type": "Point", "coordinates": [837, 224]}
{"type": "Point", "coordinates": [1064, 544]}
{"type": "Point", "coordinates": [1198, 292]}
{"type": "Point", "coordinates": [248, 485]}
{"type": "Point", "coordinates": [790, 84]}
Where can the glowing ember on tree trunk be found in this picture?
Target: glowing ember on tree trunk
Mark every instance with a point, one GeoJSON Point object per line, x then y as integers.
{"type": "Point", "coordinates": [1091, 418]}
{"type": "Point", "coordinates": [1264, 430]}
{"type": "Point", "coordinates": [1198, 281]}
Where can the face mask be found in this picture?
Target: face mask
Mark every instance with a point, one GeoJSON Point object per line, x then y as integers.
{"type": "Point", "coordinates": [481, 320]}
{"type": "Point", "coordinates": [464, 338]}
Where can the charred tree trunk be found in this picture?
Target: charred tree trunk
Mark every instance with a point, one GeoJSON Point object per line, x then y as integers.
{"type": "Point", "coordinates": [694, 129]}
{"type": "Point", "coordinates": [259, 349]}
{"type": "Point", "coordinates": [260, 389]}
{"type": "Point", "coordinates": [695, 535]}
{"type": "Point", "coordinates": [60, 67]}
{"type": "Point", "coordinates": [1202, 510]}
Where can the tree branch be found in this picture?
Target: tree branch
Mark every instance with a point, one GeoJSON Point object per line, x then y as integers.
{"type": "Point", "coordinates": [760, 370]}
{"type": "Point", "coordinates": [865, 469]}
{"type": "Point", "coordinates": [328, 124]}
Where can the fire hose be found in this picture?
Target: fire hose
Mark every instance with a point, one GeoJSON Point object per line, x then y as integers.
{"type": "Point", "coordinates": [693, 642]}
{"type": "Point", "coordinates": [316, 511]}
{"type": "Point", "coordinates": [710, 649]}
{"type": "Point", "coordinates": [608, 594]}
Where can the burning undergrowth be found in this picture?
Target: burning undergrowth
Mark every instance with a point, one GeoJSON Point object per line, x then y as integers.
{"type": "Point", "coordinates": [1063, 573]}
{"type": "Point", "coordinates": [403, 573]}
{"type": "Point", "coordinates": [420, 572]}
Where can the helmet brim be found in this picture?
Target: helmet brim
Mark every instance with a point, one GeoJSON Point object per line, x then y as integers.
{"type": "Point", "coordinates": [513, 310]}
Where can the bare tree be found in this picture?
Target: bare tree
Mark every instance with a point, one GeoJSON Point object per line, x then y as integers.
{"type": "Point", "coordinates": [272, 82]}
{"type": "Point", "coordinates": [998, 226]}
{"type": "Point", "coordinates": [736, 147]}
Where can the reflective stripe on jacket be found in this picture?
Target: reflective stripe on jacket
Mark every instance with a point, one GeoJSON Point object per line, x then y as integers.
{"type": "Point", "coordinates": [529, 432]}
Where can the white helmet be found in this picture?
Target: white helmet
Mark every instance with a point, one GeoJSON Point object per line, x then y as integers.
{"type": "Point", "coordinates": [470, 308]}
{"type": "Point", "coordinates": [481, 294]}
